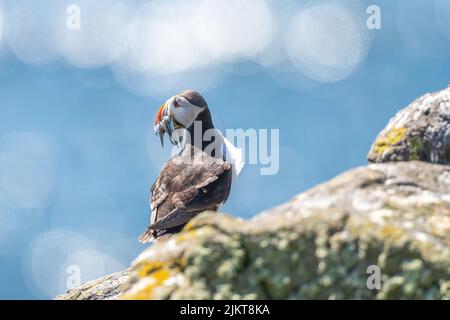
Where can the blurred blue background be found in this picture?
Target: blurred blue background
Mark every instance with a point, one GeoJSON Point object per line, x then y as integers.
{"type": "Point", "coordinates": [77, 150]}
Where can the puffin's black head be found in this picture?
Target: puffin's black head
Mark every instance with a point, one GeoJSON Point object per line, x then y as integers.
{"type": "Point", "coordinates": [193, 97]}
{"type": "Point", "coordinates": [180, 111]}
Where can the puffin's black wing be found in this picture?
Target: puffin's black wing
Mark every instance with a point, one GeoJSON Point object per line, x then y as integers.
{"type": "Point", "coordinates": [187, 185]}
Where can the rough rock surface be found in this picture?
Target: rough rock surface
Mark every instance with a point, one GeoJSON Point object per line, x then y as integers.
{"type": "Point", "coordinates": [421, 131]}
{"type": "Point", "coordinates": [106, 288]}
{"type": "Point", "coordinates": [319, 245]}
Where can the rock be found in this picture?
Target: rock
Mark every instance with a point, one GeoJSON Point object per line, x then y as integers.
{"type": "Point", "coordinates": [421, 131]}
{"type": "Point", "coordinates": [317, 246]}
{"type": "Point", "coordinates": [106, 288]}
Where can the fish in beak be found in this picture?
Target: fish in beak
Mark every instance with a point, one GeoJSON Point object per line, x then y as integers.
{"type": "Point", "coordinates": [165, 123]}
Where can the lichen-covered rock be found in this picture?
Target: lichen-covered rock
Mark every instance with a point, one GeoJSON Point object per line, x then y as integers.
{"type": "Point", "coordinates": [106, 288]}
{"type": "Point", "coordinates": [317, 246]}
{"type": "Point", "coordinates": [421, 131]}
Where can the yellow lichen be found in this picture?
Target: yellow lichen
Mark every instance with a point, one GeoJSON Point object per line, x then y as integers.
{"type": "Point", "coordinates": [187, 235]}
{"type": "Point", "coordinates": [392, 232]}
{"type": "Point", "coordinates": [392, 137]}
{"type": "Point", "coordinates": [151, 283]}
{"type": "Point", "coordinates": [149, 267]}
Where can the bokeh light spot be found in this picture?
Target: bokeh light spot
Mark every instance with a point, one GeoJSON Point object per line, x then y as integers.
{"type": "Point", "coordinates": [325, 42]}
{"type": "Point", "coordinates": [53, 256]}
{"type": "Point", "coordinates": [101, 38]}
{"type": "Point", "coordinates": [32, 30]}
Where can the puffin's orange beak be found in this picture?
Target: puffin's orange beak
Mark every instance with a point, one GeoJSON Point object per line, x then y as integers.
{"type": "Point", "coordinates": [162, 111]}
{"type": "Point", "coordinates": [164, 123]}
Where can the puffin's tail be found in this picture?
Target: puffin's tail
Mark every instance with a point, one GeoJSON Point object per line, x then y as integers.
{"type": "Point", "coordinates": [151, 235]}
{"type": "Point", "coordinates": [147, 236]}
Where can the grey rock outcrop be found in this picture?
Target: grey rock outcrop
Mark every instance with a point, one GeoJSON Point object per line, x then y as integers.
{"type": "Point", "coordinates": [421, 131]}
{"type": "Point", "coordinates": [105, 288]}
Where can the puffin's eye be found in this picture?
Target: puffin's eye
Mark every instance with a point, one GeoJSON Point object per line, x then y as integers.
{"type": "Point", "coordinates": [176, 104]}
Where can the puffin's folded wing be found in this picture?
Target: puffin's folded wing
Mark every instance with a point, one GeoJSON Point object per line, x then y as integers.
{"type": "Point", "coordinates": [172, 220]}
{"type": "Point", "coordinates": [178, 195]}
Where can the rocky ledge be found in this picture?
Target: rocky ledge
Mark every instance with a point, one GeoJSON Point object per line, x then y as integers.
{"type": "Point", "coordinates": [421, 131]}
{"type": "Point", "coordinates": [331, 242]}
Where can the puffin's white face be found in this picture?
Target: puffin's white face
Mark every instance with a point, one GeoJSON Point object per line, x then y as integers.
{"type": "Point", "coordinates": [176, 113]}
{"type": "Point", "coordinates": [183, 111]}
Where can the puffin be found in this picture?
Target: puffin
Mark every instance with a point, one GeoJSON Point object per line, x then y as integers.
{"type": "Point", "coordinates": [200, 174]}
